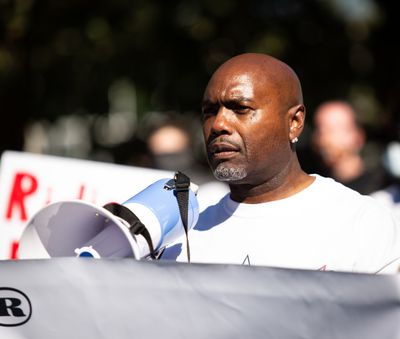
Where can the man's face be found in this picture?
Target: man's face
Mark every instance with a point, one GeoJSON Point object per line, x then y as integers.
{"type": "Point", "coordinates": [245, 127]}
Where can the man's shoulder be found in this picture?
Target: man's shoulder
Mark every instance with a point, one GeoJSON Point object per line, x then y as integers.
{"type": "Point", "coordinates": [367, 210]}
{"type": "Point", "coordinates": [337, 198]}
{"type": "Point", "coordinates": [330, 187]}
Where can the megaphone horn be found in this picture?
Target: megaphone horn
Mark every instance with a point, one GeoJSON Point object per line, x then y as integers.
{"type": "Point", "coordinates": [140, 227]}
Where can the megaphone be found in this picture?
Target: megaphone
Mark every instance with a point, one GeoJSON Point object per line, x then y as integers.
{"type": "Point", "coordinates": [140, 227]}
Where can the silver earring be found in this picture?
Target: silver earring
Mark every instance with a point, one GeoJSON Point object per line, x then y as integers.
{"type": "Point", "coordinates": [294, 140]}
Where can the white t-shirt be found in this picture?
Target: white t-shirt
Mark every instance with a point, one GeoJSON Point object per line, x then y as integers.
{"type": "Point", "coordinates": [390, 197]}
{"type": "Point", "coordinates": [327, 226]}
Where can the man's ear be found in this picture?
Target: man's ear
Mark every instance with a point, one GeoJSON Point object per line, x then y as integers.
{"type": "Point", "coordinates": [296, 115]}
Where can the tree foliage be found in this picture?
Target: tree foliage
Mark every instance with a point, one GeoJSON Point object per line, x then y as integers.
{"type": "Point", "coordinates": [61, 57]}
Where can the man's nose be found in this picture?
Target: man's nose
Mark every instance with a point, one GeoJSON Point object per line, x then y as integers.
{"type": "Point", "coordinates": [222, 123]}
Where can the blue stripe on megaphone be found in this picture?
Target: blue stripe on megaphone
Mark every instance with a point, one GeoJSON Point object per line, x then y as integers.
{"type": "Point", "coordinates": [163, 204]}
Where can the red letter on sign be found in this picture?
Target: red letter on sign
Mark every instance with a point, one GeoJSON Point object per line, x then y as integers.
{"type": "Point", "coordinates": [14, 250]}
{"type": "Point", "coordinates": [24, 185]}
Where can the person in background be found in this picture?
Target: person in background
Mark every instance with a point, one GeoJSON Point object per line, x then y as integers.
{"type": "Point", "coordinates": [170, 147]}
{"type": "Point", "coordinates": [276, 214]}
{"type": "Point", "coordinates": [337, 142]}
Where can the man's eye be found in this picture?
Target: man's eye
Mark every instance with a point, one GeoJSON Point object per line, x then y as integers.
{"type": "Point", "coordinates": [209, 110]}
{"type": "Point", "coordinates": [239, 108]}
{"type": "Point", "coordinates": [242, 109]}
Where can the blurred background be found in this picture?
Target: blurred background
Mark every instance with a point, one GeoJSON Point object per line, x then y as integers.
{"type": "Point", "coordinates": [94, 79]}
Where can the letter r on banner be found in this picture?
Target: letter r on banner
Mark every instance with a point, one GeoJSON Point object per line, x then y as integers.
{"type": "Point", "coordinates": [24, 185]}
{"type": "Point", "coordinates": [9, 307]}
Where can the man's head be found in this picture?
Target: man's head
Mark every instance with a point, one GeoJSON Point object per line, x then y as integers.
{"type": "Point", "coordinates": [252, 113]}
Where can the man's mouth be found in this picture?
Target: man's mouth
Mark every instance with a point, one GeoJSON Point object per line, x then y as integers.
{"type": "Point", "coordinates": [222, 150]}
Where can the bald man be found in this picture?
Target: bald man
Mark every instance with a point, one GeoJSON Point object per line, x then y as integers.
{"type": "Point", "coordinates": [275, 213]}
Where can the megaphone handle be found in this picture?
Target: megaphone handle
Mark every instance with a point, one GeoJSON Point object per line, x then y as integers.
{"type": "Point", "coordinates": [136, 227]}
{"type": "Point", "coordinates": [182, 184]}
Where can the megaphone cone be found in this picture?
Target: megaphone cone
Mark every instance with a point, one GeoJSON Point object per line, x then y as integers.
{"type": "Point", "coordinates": [63, 228]}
